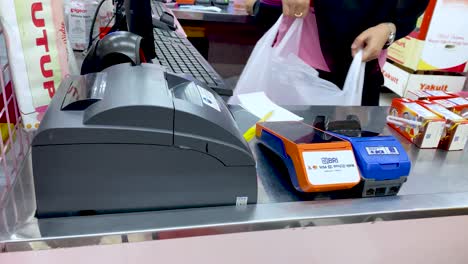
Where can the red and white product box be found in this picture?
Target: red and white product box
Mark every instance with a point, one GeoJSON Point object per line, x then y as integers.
{"type": "Point", "coordinates": [430, 95]}
{"type": "Point", "coordinates": [458, 105]}
{"type": "Point", "coordinates": [456, 128]}
{"type": "Point", "coordinates": [440, 40]}
{"type": "Point", "coordinates": [402, 82]}
{"type": "Point", "coordinates": [416, 123]}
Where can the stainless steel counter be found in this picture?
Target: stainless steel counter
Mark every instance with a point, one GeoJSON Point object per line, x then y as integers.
{"type": "Point", "coordinates": [228, 14]}
{"type": "Point", "coordinates": [437, 186]}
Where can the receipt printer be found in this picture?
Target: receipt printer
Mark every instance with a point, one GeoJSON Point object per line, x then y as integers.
{"type": "Point", "coordinates": [383, 163]}
{"type": "Point", "coordinates": [316, 161]}
{"type": "Point", "coordinates": [134, 138]}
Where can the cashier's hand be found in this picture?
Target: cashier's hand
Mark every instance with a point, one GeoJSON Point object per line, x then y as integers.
{"type": "Point", "coordinates": [296, 8]}
{"type": "Point", "coordinates": [372, 41]}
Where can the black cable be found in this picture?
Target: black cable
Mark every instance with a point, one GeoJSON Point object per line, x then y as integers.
{"type": "Point", "coordinates": [108, 23]}
{"type": "Point", "coordinates": [91, 39]}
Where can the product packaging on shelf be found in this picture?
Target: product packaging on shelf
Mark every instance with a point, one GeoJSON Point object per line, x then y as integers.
{"type": "Point", "coordinates": [456, 127]}
{"type": "Point", "coordinates": [439, 41]}
{"type": "Point", "coordinates": [429, 95]}
{"type": "Point", "coordinates": [416, 123]}
{"type": "Point", "coordinates": [458, 105]}
{"type": "Point", "coordinates": [79, 16]}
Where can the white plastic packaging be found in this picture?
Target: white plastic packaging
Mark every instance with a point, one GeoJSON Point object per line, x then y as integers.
{"type": "Point", "coordinates": [288, 80]}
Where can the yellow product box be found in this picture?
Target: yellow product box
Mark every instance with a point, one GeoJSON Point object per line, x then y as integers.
{"type": "Point", "coordinates": [439, 41]}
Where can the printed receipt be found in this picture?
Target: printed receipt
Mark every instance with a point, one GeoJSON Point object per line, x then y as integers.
{"type": "Point", "coordinates": [331, 167]}
{"type": "Point", "coordinates": [260, 105]}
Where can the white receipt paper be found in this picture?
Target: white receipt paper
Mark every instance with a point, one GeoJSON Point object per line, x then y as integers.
{"type": "Point", "coordinates": [259, 105]}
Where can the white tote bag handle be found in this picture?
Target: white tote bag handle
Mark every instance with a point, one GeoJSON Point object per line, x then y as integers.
{"type": "Point", "coordinates": [253, 77]}
{"type": "Point", "coordinates": [291, 40]}
{"type": "Point", "coordinates": [354, 82]}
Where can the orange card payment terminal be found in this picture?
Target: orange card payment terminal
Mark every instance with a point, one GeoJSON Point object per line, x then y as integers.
{"type": "Point", "coordinates": [316, 160]}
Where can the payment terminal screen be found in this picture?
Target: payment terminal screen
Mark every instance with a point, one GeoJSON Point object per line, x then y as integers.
{"type": "Point", "coordinates": [299, 132]}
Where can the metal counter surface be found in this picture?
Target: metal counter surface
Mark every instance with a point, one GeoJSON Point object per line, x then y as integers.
{"type": "Point", "coordinates": [437, 186]}
{"type": "Point", "coordinates": [432, 171]}
{"type": "Point", "coordinates": [228, 14]}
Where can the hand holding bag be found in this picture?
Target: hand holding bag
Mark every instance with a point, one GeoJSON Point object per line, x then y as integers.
{"type": "Point", "coordinates": [288, 80]}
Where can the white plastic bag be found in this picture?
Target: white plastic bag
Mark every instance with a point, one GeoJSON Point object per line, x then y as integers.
{"type": "Point", "coordinates": [287, 80]}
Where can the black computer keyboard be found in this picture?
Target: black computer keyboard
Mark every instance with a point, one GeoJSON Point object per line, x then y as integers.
{"type": "Point", "coordinates": [178, 55]}
{"type": "Point", "coordinates": [157, 8]}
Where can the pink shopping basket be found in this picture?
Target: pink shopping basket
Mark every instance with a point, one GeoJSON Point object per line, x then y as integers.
{"type": "Point", "coordinates": [14, 143]}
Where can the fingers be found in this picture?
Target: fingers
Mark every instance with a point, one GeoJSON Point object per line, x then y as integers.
{"type": "Point", "coordinates": [249, 5]}
{"type": "Point", "coordinates": [286, 9]}
{"type": "Point", "coordinates": [365, 42]}
{"type": "Point", "coordinates": [359, 43]}
{"type": "Point", "coordinates": [302, 9]}
{"type": "Point", "coordinates": [371, 51]}
{"type": "Point", "coordinates": [371, 41]}
{"type": "Point", "coordinates": [296, 8]}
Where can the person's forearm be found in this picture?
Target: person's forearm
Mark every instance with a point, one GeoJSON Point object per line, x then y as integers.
{"type": "Point", "coordinates": [406, 15]}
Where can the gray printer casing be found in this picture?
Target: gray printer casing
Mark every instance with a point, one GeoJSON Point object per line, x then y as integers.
{"type": "Point", "coordinates": [134, 138]}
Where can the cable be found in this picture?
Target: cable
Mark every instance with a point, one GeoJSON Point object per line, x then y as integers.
{"type": "Point", "coordinates": [91, 39]}
{"type": "Point", "coordinates": [108, 23]}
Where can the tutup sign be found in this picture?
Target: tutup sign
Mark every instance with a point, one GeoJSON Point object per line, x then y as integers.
{"type": "Point", "coordinates": [40, 59]}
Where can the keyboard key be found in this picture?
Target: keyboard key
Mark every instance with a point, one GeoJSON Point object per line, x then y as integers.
{"type": "Point", "coordinates": [177, 54]}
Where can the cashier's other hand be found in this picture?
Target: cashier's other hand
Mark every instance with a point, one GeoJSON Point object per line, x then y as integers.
{"type": "Point", "coordinates": [296, 8]}
{"type": "Point", "coordinates": [372, 41]}
{"type": "Point", "coordinates": [249, 6]}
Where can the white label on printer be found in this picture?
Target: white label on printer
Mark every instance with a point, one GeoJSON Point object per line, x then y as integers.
{"type": "Point", "coordinates": [208, 98]}
{"type": "Point", "coordinates": [382, 151]}
{"type": "Point", "coordinates": [241, 201]}
{"type": "Point", "coordinates": [331, 167]}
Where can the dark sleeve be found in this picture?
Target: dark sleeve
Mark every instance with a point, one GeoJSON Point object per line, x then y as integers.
{"type": "Point", "coordinates": [406, 14]}
{"type": "Point", "coordinates": [256, 8]}
{"type": "Point", "coordinates": [266, 15]}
